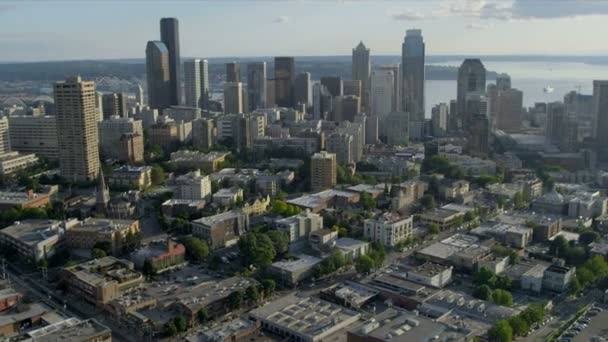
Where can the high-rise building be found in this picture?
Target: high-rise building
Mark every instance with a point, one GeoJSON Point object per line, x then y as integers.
{"type": "Point", "coordinates": [303, 89]}
{"type": "Point", "coordinates": [77, 129]}
{"type": "Point", "coordinates": [334, 85]}
{"type": "Point", "coordinates": [256, 85]}
{"type": "Point", "coordinates": [371, 129]}
{"type": "Point", "coordinates": [202, 133]}
{"type": "Point", "coordinates": [412, 68]}
{"type": "Point", "coordinates": [600, 110]}
{"type": "Point", "coordinates": [397, 84]}
{"type": "Point", "coordinates": [503, 81]}
{"type": "Point", "coordinates": [382, 92]}
{"type": "Point", "coordinates": [471, 80]}
{"type": "Point", "coordinates": [139, 95]}
{"type": "Point", "coordinates": [352, 87]}
{"type": "Point", "coordinates": [341, 144]}
{"type": "Point", "coordinates": [323, 171]}
{"type": "Point", "coordinates": [114, 104]}
{"type": "Point", "coordinates": [395, 126]}
{"type": "Point", "coordinates": [284, 79]}
{"type": "Point", "coordinates": [158, 75]}
{"type": "Point", "coordinates": [556, 118]}
{"type": "Point", "coordinates": [5, 145]}
{"type": "Point", "coordinates": [362, 68]}
{"type": "Point", "coordinates": [580, 107]}
{"type": "Point", "coordinates": [509, 108]}
{"type": "Point", "coordinates": [233, 98]}
{"type": "Point", "coordinates": [479, 136]}
{"type": "Point", "coordinates": [196, 83]}
{"type": "Point", "coordinates": [345, 108]}
{"type": "Point", "coordinates": [131, 148]}
{"type": "Point", "coordinates": [169, 35]}
{"type": "Point", "coordinates": [34, 134]}
{"type": "Point", "coordinates": [357, 131]}
{"type": "Point", "coordinates": [111, 130]}
{"type": "Point", "coordinates": [233, 72]}
{"type": "Point", "coordinates": [322, 102]}
{"type": "Point", "coordinates": [439, 119]}
{"type": "Point", "coordinates": [271, 100]}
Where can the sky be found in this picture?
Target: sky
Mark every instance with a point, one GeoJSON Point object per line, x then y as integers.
{"type": "Point", "coordinates": [68, 30]}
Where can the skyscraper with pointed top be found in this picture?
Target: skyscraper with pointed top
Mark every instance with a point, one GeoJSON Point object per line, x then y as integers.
{"type": "Point", "coordinates": [362, 68]}
{"type": "Point", "coordinates": [169, 35]}
{"type": "Point", "coordinates": [412, 69]}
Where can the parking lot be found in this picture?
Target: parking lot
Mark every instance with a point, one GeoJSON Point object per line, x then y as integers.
{"type": "Point", "coordinates": [591, 326]}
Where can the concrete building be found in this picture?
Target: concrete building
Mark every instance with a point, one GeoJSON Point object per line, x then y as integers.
{"type": "Point", "coordinates": [18, 316]}
{"type": "Point", "coordinates": [412, 67]}
{"type": "Point", "coordinates": [21, 200]}
{"type": "Point", "coordinates": [439, 119]}
{"type": "Point", "coordinates": [300, 226]}
{"type": "Point", "coordinates": [396, 128]}
{"type": "Point", "coordinates": [139, 177]}
{"type": "Point", "coordinates": [72, 329]}
{"type": "Point", "coordinates": [5, 145]}
{"type": "Point", "coordinates": [382, 92]}
{"type": "Point", "coordinates": [292, 272]}
{"type": "Point", "coordinates": [532, 279]}
{"type": "Point", "coordinates": [158, 75]}
{"type": "Point", "coordinates": [323, 171]}
{"type": "Point", "coordinates": [34, 134]}
{"type": "Point", "coordinates": [131, 148]}
{"type": "Point", "coordinates": [221, 230]}
{"type": "Point", "coordinates": [182, 113]}
{"type": "Point", "coordinates": [206, 162]}
{"type": "Point", "coordinates": [600, 112]}
{"type": "Point", "coordinates": [556, 278]}
{"type": "Point", "coordinates": [478, 144]}
{"type": "Point", "coordinates": [111, 131]}
{"type": "Point", "coordinates": [114, 104]}
{"type": "Point", "coordinates": [33, 239]}
{"type": "Point", "coordinates": [351, 248]}
{"type": "Point", "coordinates": [427, 273]}
{"type": "Point", "coordinates": [509, 110]}
{"type": "Point", "coordinates": [233, 72]}
{"type": "Point", "coordinates": [193, 186]}
{"type": "Point", "coordinates": [85, 234]}
{"type": "Point", "coordinates": [233, 98]}
{"type": "Point", "coordinates": [303, 89]}
{"type": "Point", "coordinates": [256, 85]}
{"type": "Point", "coordinates": [13, 162]}
{"type": "Point", "coordinates": [333, 84]}
{"type": "Point", "coordinates": [228, 196]}
{"type": "Point", "coordinates": [284, 80]}
{"type": "Point", "coordinates": [196, 83]}
{"type": "Point", "coordinates": [341, 144]}
{"type": "Point", "coordinates": [353, 88]}
{"type": "Point", "coordinates": [160, 255]}
{"type": "Point", "coordinates": [322, 102]}
{"type": "Point", "coordinates": [362, 66]}
{"type": "Point", "coordinates": [471, 81]}
{"type": "Point", "coordinates": [388, 228]}
{"type": "Point", "coordinates": [169, 35]}
{"type": "Point", "coordinates": [77, 129]}
{"type": "Point", "coordinates": [203, 133]}
{"type": "Point", "coordinates": [168, 134]}
{"type": "Point", "coordinates": [345, 108]}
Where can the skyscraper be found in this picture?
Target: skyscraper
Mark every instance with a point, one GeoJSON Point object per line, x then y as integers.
{"type": "Point", "coordinates": [323, 171]}
{"type": "Point", "coordinates": [503, 81]}
{"type": "Point", "coordinates": [382, 92]}
{"type": "Point", "coordinates": [196, 83]}
{"type": "Point", "coordinates": [600, 110]}
{"type": "Point", "coordinates": [352, 87]}
{"type": "Point", "coordinates": [256, 85]}
{"type": "Point", "coordinates": [471, 80]}
{"type": "Point", "coordinates": [303, 89]}
{"type": "Point", "coordinates": [439, 119]}
{"type": "Point", "coordinates": [114, 104]}
{"type": "Point", "coordinates": [5, 145]}
{"type": "Point", "coordinates": [479, 136]}
{"type": "Point", "coordinates": [509, 108]}
{"type": "Point", "coordinates": [395, 128]}
{"type": "Point", "coordinates": [139, 95]}
{"type": "Point", "coordinates": [362, 69]}
{"type": "Point", "coordinates": [345, 108]}
{"type": "Point", "coordinates": [233, 72]}
{"type": "Point", "coordinates": [322, 102]}
{"type": "Point", "coordinates": [396, 69]}
{"type": "Point", "coordinates": [233, 98]}
{"type": "Point", "coordinates": [169, 35]}
{"type": "Point", "coordinates": [333, 84]}
{"type": "Point", "coordinates": [77, 129]}
{"type": "Point", "coordinates": [284, 79]}
{"type": "Point", "coordinates": [412, 68]}
{"type": "Point", "coordinates": [158, 75]}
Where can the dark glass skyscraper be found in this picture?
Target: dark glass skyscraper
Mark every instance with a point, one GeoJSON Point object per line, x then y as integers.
{"type": "Point", "coordinates": [256, 85]}
{"type": "Point", "coordinates": [284, 79]}
{"type": "Point", "coordinates": [169, 35]}
{"type": "Point", "coordinates": [471, 81]}
{"type": "Point", "coordinates": [233, 72]}
{"type": "Point", "coordinates": [412, 69]}
{"type": "Point", "coordinates": [158, 75]}
{"type": "Point", "coordinates": [362, 69]}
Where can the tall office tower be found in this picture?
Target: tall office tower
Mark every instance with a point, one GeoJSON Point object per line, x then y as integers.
{"type": "Point", "coordinates": [322, 102]}
{"type": "Point", "coordinates": [439, 119]}
{"type": "Point", "coordinates": [169, 35]}
{"type": "Point", "coordinates": [353, 87]}
{"type": "Point", "coordinates": [139, 95]}
{"type": "Point", "coordinates": [202, 133]}
{"type": "Point", "coordinates": [5, 145]}
{"type": "Point", "coordinates": [196, 83]}
{"type": "Point", "coordinates": [233, 72]}
{"type": "Point", "coordinates": [357, 131]}
{"type": "Point", "coordinates": [345, 108]}
{"type": "Point", "coordinates": [395, 128]}
{"type": "Point", "coordinates": [580, 107]}
{"type": "Point", "coordinates": [334, 85]}
{"type": "Point", "coordinates": [323, 171]}
{"type": "Point", "coordinates": [303, 89]}
{"type": "Point", "coordinates": [114, 104]}
{"type": "Point", "coordinates": [382, 92]}
{"type": "Point", "coordinates": [99, 106]}
{"type": "Point", "coordinates": [371, 129]}
{"type": "Point", "coordinates": [77, 129]}
{"type": "Point", "coordinates": [341, 144]}
{"type": "Point", "coordinates": [471, 80]}
{"type": "Point", "coordinates": [412, 68]}
{"type": "Point", "coordinates": [503, 81]}
{"type": "Point", "coordinates": [396, 69]}
{"type": "Point", "coordinates": [34, 134]}
{"type": "Point", "coordinates": [600, 110]}
{"type": "Point", "coordinates": [479, 136]}
{"type": "Point", "coordinates": [284, 79]}
{"type": "Point", "coordinates": [361, 119]}
{"type": "Point", "coordinates": [271, 99]}
{"type": "Point", "coordinates": [256, 85]}
{"type": "Point", "coordinates": [556, 118]}
{"type": "Point", "coordinates": [509, 108]}
{"type": "Point", "coordinates": [233, 98]}
{"type": "Point", "coordinates": [453, 118]}
{"type": "Point", "coordinates": [362, 69]}
{"type": "Point", "coordinates": [158, 75]}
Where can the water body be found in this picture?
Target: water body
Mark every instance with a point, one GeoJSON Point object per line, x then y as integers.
{"type": "Point", "coordinates": [529, 77]}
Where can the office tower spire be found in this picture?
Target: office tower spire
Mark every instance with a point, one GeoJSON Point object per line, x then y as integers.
{"type": "Point", "coordinates": [169, 35]}
{"type": "Point", "coordinates": [158, 75]}
{"type": "Point", "coordinates": [412, 68]}
{"type": "Point", "coordinates": [362, 68]}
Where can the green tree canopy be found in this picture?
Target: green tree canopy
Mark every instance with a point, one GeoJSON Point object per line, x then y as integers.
{"type": "Point", "coordinates": [364, 264]}
{"type": "Point", "coordinates": [257, 249]}
{"type": "Point", "coordinates": [196, 248]}
{"type": "Point", "coordinates": [501, 331]}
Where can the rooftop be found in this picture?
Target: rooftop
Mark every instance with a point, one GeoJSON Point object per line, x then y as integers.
{"type": "Point", "coordinates": [211, 220]}
{"type": "Point", "coordinates": [350, 243]}
{"type": "Point", "coordinates": [32, 232]}
{"type": "Point", "coordinates": [302, 262]}
{"type": "Point", "coordinates": [72, 329]}
{"type": "Point", "coordinates": [9, 197]}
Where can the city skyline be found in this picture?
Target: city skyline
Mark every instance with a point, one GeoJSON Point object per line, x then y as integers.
{"type": "Point", "coordinates": [449, 26]}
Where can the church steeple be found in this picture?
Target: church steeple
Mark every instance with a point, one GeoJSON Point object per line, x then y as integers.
{"type": "Point", "coordinates": [102, 193]}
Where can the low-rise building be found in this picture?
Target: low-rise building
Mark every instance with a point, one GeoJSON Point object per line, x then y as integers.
{"type": "Point", "coordinates": [85, 234]}
{"type": "Point", "coordinates": [228, 196]}
{"type": "Point", "coordinates": [136, 177]}
{"type": "Point", "coordinates": [12, 162]}
{"type": "Point", "coordinates": [256, 206]}
{"type": "Point", "coordinates": [237, 330]}
{"type": "Point", "coordinates": [300, 226]}
{"type": "Point", "coordinates": [22, 200]}
{"type": "Point", "coordinates": [532, 279]}
{"type": "Point", "coordinates": [556, 278]}
{"type": "Point", "coordinates": [388, 228]}
{"type": "Point", "coordinates": [331, 198]}
{"type": "Point", "coordinates": [221, 230]}
{"type": "Point", "coordinates": [33, 239]}
{"type": "Point", "coordinates": [173, 207]}
{"type": "Point", "coordinates": [453, 189]}
{"type": "Point", "coordinates": [131, 148]}
{"type": "Point", "coordinates": [206, 162]}
{"type": "Point", "coordinates": [349, 294]}
{"type": "Point", "coordinates": [352, 248]}
{"type": "Point", "coordinates": [160, 256]}
{"type": "Point", "coordinates": [292, 272]}
{"type": "Point", "coordinates": [13, 321]}
{"type": "Point", "coordinates": [428, 273]}
{"type": "Point", "coordinates": [443, 217]}
{"type": "Point", "coordinates": [193, 186]}
{"type": "Point", "coordinates": [73, 330]}
{"type": "Point", "coordinates": [9, 298]}
{"type": "Point", "coordinates": [101, 280]}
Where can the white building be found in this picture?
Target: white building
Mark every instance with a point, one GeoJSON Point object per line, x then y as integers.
{"type": "Point", "coordinates": [12, 162]}
{"type": "Point", "coordinates": [299, 227]}
{"type": "Point", "coordinates": [196, 82]}
{"type": "Point", "coordinates": [388, 228]}
{"type": "Point", "coordinates": [193, 186]}
{"type": "Point", "coordinates": [383, 86]}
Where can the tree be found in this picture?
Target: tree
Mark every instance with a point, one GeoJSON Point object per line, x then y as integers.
{"type": "Point", "coordinates": [519, 325]}
{"type": "Point", "coordinates": [105, 246]}
{"type": "Point", "coordinates": [574, 287]}
{"type": "Point", "coordinates": [501, 331]}
{"type": "Point", "coordinates": [585, 238]}
{"type": "Point", "coordinates": [97, 253]}
{"type": "Point", "coordinates": [196, 248]}
{"type": "Point", "coordinates": [427, 202]}
{"type": "Point", "coordinates": [469, 216]}
{"type": "Point", "coordinates": [180, 323]}
{"type": "Point", "coordinates": [279, 207]}
{"type": "Point", "coordinates": [434, 229]}
{"type": "Point", "coordinates": [483, 292]}
{"type": "Point", "coordinates": [503, 282]}
{"type": "Point", "coordinates": [367, 201]}
{"type": "Point", "coordinates": [559, 246]}
{"type": "Point", "coordinates": [169, 329]}
{"type": "Point", "coordinates": [502, 297]}
{"type": "Point", "coordinates": [252, 294]}
{"type": "Point", "coordinates": [157, 175]}
{"type": "Point", "coordinates": [257, 249]}
{"type": "Point", "coordinates": [235, 300]}
{"type": "Point", "coordinates": [364, 264]}
{"type": "Point", "coordinates": [201, 316]}
{"type": "Point", "coordinates": [43, 263]}
{"type": "Point", "coordinates": [268, 285]}
{"type": "Point", "coordinates": [378, 254]}
{"type": "Point", "coordinates": [519, 200]}
{"type": "Point", "coordinates": [280, 241]}
{"type": "Point", "coordinates": [484, 277]}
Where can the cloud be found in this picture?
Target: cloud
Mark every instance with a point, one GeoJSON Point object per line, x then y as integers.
{"type": "Point", "coordinates": [407, 15]}
{"type": "Point", "coordinates": [281, 20]}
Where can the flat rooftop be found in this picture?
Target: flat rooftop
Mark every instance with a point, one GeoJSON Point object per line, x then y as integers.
{"type": "Point", "coordinates": [9, 197]}
{"type": "Point", "coordinates": [211, 220]}
{"type": "Point", "coordinates": [72, 329]}
{"type": "Point", "coordinates": [302, 262]}
{"type": "Point", "coordinates": [32, 232]}
{"type": "Point", "coordinates": [350, 243]}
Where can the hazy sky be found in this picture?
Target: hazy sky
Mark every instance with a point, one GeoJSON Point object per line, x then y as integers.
{"type": "Point", "coordinates": [59, 30]}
